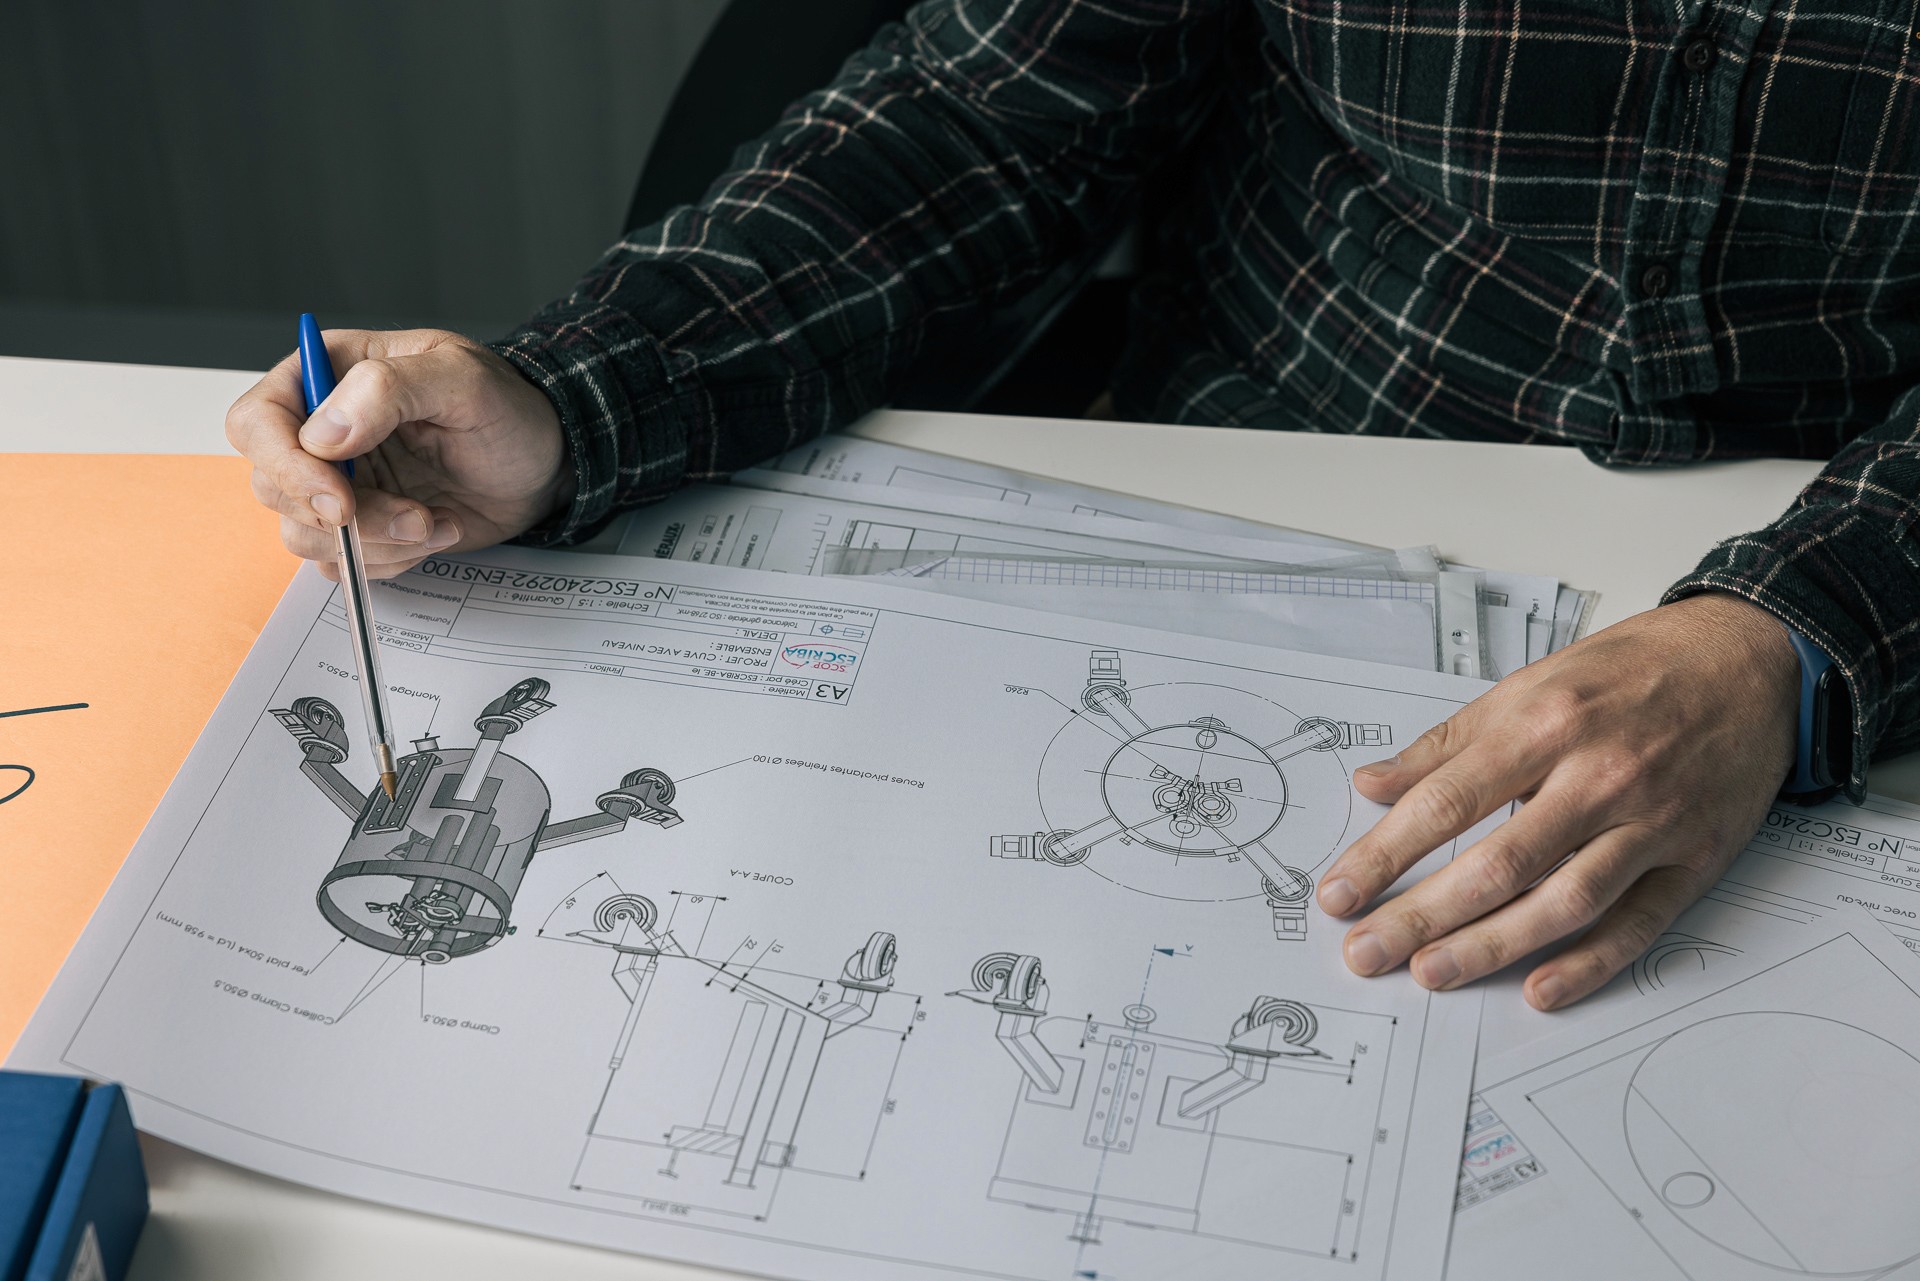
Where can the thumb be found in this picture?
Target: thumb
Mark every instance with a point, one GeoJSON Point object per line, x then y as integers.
{"type": "Point", "coordinates": [379, 393]}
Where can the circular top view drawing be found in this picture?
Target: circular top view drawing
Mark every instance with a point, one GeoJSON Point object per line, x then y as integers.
{"type": "Point", "coordinates": [1196, 790]}
{"type": "Point", "coordinates": [1737, 1123]}
{"type": "Point", "coordinates": [1193, 791]}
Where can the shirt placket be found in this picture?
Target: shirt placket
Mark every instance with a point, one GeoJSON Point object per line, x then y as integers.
{"type": "Point", "coordinates": [1676, 198]}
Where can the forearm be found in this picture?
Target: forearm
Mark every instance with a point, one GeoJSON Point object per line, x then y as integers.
{"type": "Point", "coordinates": [1842, 567]}
{"type": "Point", "coordinates": [954, 161]}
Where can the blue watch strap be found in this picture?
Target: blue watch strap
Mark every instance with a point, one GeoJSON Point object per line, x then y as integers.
{"type": "Point", "coordinates": [1814, 663]}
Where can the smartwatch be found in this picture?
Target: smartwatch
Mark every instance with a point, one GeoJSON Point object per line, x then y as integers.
{"type": "Point", "coordinates": [1823, 748]}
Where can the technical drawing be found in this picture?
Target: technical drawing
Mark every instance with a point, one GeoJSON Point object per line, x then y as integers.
{"type": "Point", "coordinates": [1718, 1137]}
{"type": "Point", "coordinates": [1266, 1138]}
{"type": "Point", "coordinates": [1674, 957]}
{"type": "Point", "coordinates": [437, 866]}
{"type": "Point", "coordinates": [1179, 790]}
{"type": "Point", "coordinates": [796, 1082]}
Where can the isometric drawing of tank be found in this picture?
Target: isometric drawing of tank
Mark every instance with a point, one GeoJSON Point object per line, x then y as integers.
{"type": "Point", "coordinates": [1194, 791]}
{"type": "Point", "coordinates": [1265, 1137]}
{"type": "Point", "coordinates": [730, 1073]}
{"type": "Point", "coordinates": [433, 871]}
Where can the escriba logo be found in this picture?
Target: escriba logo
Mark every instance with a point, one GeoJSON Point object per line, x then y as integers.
{"type": "Point", "coordinates": [819, 658]}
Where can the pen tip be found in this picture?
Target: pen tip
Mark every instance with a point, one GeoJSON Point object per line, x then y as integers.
{"type": "Point", "coordinates": [387, 780]}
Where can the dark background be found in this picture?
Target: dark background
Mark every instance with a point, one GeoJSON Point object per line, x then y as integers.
{"type": "Point", "coordinates": [180, 178]}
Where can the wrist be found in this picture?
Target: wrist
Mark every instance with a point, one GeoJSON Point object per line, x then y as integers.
{"type": "Point", "coordinates": [1747, 667]}
{"type": "Point", "coordinates": [1765, 644]}
{"type": "Point", "coordinates": [1804, 678]}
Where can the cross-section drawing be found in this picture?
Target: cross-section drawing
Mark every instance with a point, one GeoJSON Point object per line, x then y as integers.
{"type": "Point", "coordinates": [433, 871]}
{"type": "Point", "coordinates": [1718, 1137]}
{"type": "Point", "coordinates": [1265, 1137]}
{"type": "Point", "coordinates": [1194, 791]}
{"type": "Point", "coordinates": [729, 1073]}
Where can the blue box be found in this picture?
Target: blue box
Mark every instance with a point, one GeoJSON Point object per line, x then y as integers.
{"type": "Point", "coordinates": [73, 1191]}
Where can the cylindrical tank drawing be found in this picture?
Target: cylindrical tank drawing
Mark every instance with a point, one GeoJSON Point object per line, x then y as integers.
{"type": "Point", "coordinates": [433, 872]}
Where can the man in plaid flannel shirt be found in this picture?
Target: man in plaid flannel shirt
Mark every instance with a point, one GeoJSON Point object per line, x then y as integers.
{"type": "Point", "coordinates": [1660, 232]}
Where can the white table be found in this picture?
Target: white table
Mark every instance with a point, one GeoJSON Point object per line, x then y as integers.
{"type": "Point", "coordinates": [1542, 510]}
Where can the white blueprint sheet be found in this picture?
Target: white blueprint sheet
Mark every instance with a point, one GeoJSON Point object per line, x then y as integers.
{"type": "Point", "coordinates": [800, 926]}
{"type": "Point", "coordinates": [1378, 618]}
{"type": "Point", "coordinates": [1802, 866]}
{"type": "Point", "coordinates": [903, 540]}
{"type": "Point", "coordinates": [870, 462]}
{"type": "Point", "coordinates": [795, 523]}
{"type": "Point", "coordinates": [1374, 629]}
{"type": "Point", "coordinates": [806, 526]}
{"type": "Point", "coordinates": [1763, 1121]}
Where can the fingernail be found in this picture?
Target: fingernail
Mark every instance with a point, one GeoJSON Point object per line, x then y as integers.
{"type": "Point", "coordinates": [1549, 993]}
{"type": "Point", "coordinates": [1439, 969]}
{"type": "Point", "coordinates": [328, 509]}
{"type": "Point", "coordinates": [408, 527]}
{"type": "Point", "coordinates": [1378, 767]}
{"type": "Point", "coordinates": [1338, 897]}
{"type": "Point", "coordinates": [1366, 954]}
{"type": "Point", "coordinates": [326, 428]}
{"type": "Point", "coordinates": [445, 534]}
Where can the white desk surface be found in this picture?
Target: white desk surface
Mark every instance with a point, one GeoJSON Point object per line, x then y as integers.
{"type": "Point", "coordinates": [1534, 509]}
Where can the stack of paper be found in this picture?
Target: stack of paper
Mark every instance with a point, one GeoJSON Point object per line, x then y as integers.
{"type": "Point", "coordinates": [844, 505]}
{"type": "Point", "coordinates": [944, 906]}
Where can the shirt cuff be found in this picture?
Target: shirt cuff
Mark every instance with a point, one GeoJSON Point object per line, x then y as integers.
{"type": "Point", "coordinates": [1826, 577]}
{"type": "Point", "coordinates": [625, 423]}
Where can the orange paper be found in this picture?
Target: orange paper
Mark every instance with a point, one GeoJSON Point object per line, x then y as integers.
{"type": "Point", "coordinates": [133, 584]}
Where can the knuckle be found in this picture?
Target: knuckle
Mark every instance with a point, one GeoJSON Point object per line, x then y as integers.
{"type": "Point", "coordinates": [1447, 802]}
{"type": "Point", "coordinates": [1413, 923]}
{"type": "Point", "coordinates": [1635, 927]}
{"type": "Point", "coordinates": [1689, 880]}
{"type": "Point", "coordinates": [1668, 811]}
{"type": "Point", "coordinates": [469, 353]}
{"type": "Point", "coordinates": [1436, 741]}
{"type": "Point", "coordinates": [379, 381]}
{"type": "Point", "coordinates": [1559, 713]}
{"type": "Point", "coordinates": [399, 567]}
{"type": "Point", "coordinates": [1575, 897]}
{"type": "Point", "coordinates": [1586, 968]}
{"type": "Point", "coordinates": [1483, 951]}
{"type": "Point", "coordinates": [1614, 771]}
{"type": "Point", "coordinates": [305, 541]}
{"type": "Point", "coordinates": [1501, 871]}
{"type": "Point", "coordinates": [237, 425]}
{"type": "Point", "coordinates": [1365, 866]}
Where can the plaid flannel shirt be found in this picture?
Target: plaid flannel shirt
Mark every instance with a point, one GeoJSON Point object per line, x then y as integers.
{"type": "Point", "coordinates": [1660, 230]}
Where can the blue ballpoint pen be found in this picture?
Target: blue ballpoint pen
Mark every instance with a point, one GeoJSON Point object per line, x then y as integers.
{"type": "Point", "coordinates": [316, 381]}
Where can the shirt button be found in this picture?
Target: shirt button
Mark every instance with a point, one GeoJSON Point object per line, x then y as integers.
{"type": "Point", "coordinates": [1656, 280]}
{"type": "Point", "coordinates": [1698, 55]}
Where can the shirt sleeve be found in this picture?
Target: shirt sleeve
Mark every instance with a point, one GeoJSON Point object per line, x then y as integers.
{"type": "Point", "coordinates": [1842, 568]}
{"type": "Point", "coordinates": [957, 158]}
